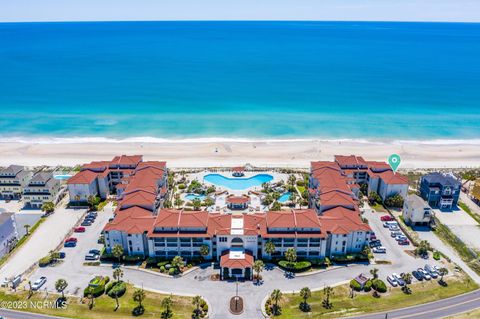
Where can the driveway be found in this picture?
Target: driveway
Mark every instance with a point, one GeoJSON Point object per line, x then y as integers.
{"type": "Point", "coordinates": [46, 238]}
{"type": "Point", "coordinates": [464, 226]}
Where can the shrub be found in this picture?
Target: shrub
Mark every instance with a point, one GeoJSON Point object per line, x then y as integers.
{"type": "Point", "coordinates": [109, 287]}
{"type": "Point", "coordinates": [379, 285]}
{"type": "Point", "coordinates": [355, 285]}
{"type": "Point", "coordinates": [436, 255]}
{"type": "Point", "coordinates": [98, 286]}
{"type": "Point", "coordinates": [368, 286]}
{"type": "Point", "coordinates": [297, 266]}
{"type": "Point", "coordinates": [162, 269]}
{"type": "Point", "coordinates": [172, 271]}
{"type": "Point", "coordinates": [96, 291]}
{"type": "Point", "coordinates": [45, 261]}
{"type": "Point", "coordinates": [118, 289]}
{"type": "Point", "coordinates": [300, 183]}
{"type": "Point", "coordinates": [181, 186]}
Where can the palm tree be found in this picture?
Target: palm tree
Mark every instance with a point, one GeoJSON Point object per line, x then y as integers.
{"type": "Point", "coordinates": [374, 273]}
{"type": "Point", "coordinates": [407, 277]}
{"type": "Point", "coordinates": [27, 227]}
{"type": "Point", "coordinates": [167, 305]}
{"type": "Point", "coordinates": [177, 262]}
{"type": "Point", "coordinates": [442, 272]}
{"type": "Point", "coordinates": [117, 274]}
{"type": "Point", "coordinates": [291, 255]}
{"type": "Point", "coordinates": [258, 267]}
{"type": "Point", "coordinates": [270, 248]}
{"type": "Point", "coordinates": [48, 207]}
{"type": "Point", "coordinates": [139, 296]}
{"type": "Point", "coordinates": [204, 250]}
{"type": "Point", "coordinates": [292, 179]}
{"type": "Point", "coordinates": [60, 286]}
{"type": "Point", "coordinates": [327, 293]}
{"type": "Point", "coordinates": [276, 296]}
{"type": "Point", "coordinates": [197, 204]}
{"type": "Point", "coordinates": [178, 202]}
{"type": "Point", "coordinates": [305, 293]}
{"type": "Point", "coordinates": [117, 252]}
{"type": "Point", "coordinates": [91, 297]}
{"type": "Point", "coordinates": [197, 301]}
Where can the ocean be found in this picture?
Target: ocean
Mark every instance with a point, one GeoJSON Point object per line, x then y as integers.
{"type": "Point", "coordinates": [239, 80]}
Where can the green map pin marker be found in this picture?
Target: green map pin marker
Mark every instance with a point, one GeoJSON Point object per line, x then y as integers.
{"type": "Point", "coordinates": [394, 161]}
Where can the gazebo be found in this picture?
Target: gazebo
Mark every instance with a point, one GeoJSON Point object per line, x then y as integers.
{"type": "Point", "coordinates": [238, 171]}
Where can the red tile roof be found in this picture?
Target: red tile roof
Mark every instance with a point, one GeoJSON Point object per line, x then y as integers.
{"type": "Point", "coordinates": [238, 199]}
{"type": "Point", "coordinates": [340, 220]}
{"type": "Point", "coordinates": [350, 160]}
{"type": "Point", "coordinates": [83, 177]}
{"type": "Point", "coordinates": [131, 160]}
{"type": "Point", "coordinates": [226, 261]}
{"type": "Point", "coordinates": [134, 220]}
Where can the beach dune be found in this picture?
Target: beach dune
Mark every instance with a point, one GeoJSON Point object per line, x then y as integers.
{"type": "Point", "coordinates": [287, 153]}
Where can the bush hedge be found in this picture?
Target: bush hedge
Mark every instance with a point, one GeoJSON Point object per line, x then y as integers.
{"type": "Point", "coordinates": [45, 261]}
{"type": "Point", "coordinates": [97, 289]}
{"type": "Point", "coordinates": [298, 266]}
{"type": "Point", "coordinates": [355, 285]}
{"type": "Point", "coordinates": [118, 289]}
{"type": "Point", "coordinates": [368, 286]}
{"type": "Point", "coordinates": [379, 285]}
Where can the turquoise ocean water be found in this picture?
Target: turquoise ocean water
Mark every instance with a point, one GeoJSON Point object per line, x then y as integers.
{"type": "Point", "coordinates": [274, 80]}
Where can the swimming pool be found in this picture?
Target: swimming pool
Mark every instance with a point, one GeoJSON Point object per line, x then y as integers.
{"type": "Point", "coordinates": [285, 197]}
{"type": "Point", "coordinates": [194, 196]}
{"type": "Point", "coordinates": [238, 183]}
{"type": "Point", "coordinates": [63, 176]}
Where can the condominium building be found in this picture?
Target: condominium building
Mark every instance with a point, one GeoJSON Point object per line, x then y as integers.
{"type": "Point", "coordinates": [8, 233]}
{"type": "Point", "coordinates": [12, 181]}
{"type": "Point", "coordinates": [41, 188]}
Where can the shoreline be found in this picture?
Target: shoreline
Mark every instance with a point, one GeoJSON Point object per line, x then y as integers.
{"type": "Point", "coordinates": [213, 152]}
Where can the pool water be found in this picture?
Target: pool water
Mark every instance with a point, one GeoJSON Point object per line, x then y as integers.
{"type": "Point", "coordinates": [64, 176]}
{"type": "Point", "coordinates": [238, 183]}
{"type": "Point", "coordinates": [284, 198]}
{"type": "Point", "coordinates": [194, 196]}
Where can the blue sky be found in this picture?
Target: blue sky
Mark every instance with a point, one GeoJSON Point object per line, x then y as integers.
{"type": "Point", "coordinates": [365, 10]}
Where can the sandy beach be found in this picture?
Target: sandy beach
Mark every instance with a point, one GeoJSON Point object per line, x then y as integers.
{"type": "Point", "coordinates": [294, 153]}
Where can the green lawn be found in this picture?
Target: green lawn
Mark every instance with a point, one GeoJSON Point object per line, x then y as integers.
{"type": "Point", "coordinates": [362, 303]}
{"type": "Point", "coordinates": [378, 208]}
{"type": "Point", "coordinates": [104, 305]}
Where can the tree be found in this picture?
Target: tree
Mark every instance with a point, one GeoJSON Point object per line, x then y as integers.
{"type": "Point", "coordinates": [117, 252]}
{"type": "Point", "coordinates": [178, 202]}
{"type": "Point", "coordinates": [177, 262]}
{"type": "Point", "coordinates": [60, 286]}
{"type": "Point", "coordinates": [293, 198]}
{"type": "Point", "coordinates": [374, 273]}
{"type": "Point", "coordinates": [268, 200]}
{"type": "Point", "coordinates": [407, 277]}
{"type": "Point", "coordinates": [291, 255]}
{"type": "Point", "coordinates": [117, 274]}
{"type": "Point", "coordinates": [374, 198]}
{"type": "Point", "coordinates": [93, 201]}
{"type": "Point", "coordinates": [394, 201]}
{"type": "Point", "coordinates": [423, 248]}
{"type": "Point", "coordinates": [139, 296]}
{"type": "Point", "coordinates": [327, 293]}
{"type": "Point", "coordinates": [292, 179]}
{"type": "Point", "coordinates": [276, 195]}
{"type": "Point", "coordinates": [208, 202]}
{"type": "Point", "coordinates": [305, 293]}
{"type": "Point", "coordinates": [442, 272]}
{"type": "Point", "coordinates": [90, 297]}
{"type": "Point", "coordinates": [48, 207]}
{"type": "Point", "coordinates": [167, 308]}
{"type": "Point", "coordinates": [276, 296]}
{"type": "Point", "coordinates": [27, 228]}
{"type": "Point", "coordinates": [197, 204]}
{"type": "Point", "coordinates": [270, 248]}
{"type": "Point", "coordinates": [276, 207]}
{"type": "Point", "coordinates": [197, 301]}
{"type": "Point", "coordinates": [258, 268]}
{"type": "Point", "coordinates": [204, 250]}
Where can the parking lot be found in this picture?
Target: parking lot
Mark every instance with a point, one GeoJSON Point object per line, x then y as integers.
{"type": "Point", "coordinates": [46, 238]}
{"type": "Point", "coordinates": [75, 257]}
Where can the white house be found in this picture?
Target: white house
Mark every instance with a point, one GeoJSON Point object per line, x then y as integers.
{"type": "Point", "coordinates": [416, 211]}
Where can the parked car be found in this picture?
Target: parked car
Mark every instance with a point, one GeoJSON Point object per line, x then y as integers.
{"type": "Point", "coordinates": [403, 242]}
{"type": "Point", "coordinates": [418, 275]}
{"type": "Point", "coordinates": [399, 279]}
{"type": "Point", "coordinates": [70, 244]}
{"type": "Point", "coordinates": [94, 251]}
{"type": "Point", "coordinates": [92, 214]}
{"type": "Point", "coordinates": [431, 271]}
{"type": "Point", "coordinates": [393, 228]}
{"type": "Point", "coordinates": [401, 237]}
{"type": "Point", "coordinates": [387, 218]}
{"type": "Point", "coordinates": [71, 239]}
{"type": "Point", "coordinates": [395, 233]}
{"type": "Point", "coordinates": [39, 283]}
{"type": "Point", "coordinates": [392, 281]}
{"type": "Point", "coordinates": [86, 223]}
{"type": "Point", "coordinates": [375, 243]}
{"type": "Point", "coordinates": [79, 229]}
{"type": "Point", "coordinates": [425, 274]}
{"type": "Point", "coordinates": [61, 254]}
{"type": "Point", "coordinates": [90, 256]}
{"type": "Point", "coordinates": [379, 250]}
{"type": "Point", "coordinates": [389, 224]}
